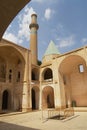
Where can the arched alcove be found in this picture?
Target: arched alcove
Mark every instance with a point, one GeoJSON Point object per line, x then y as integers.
{"type": "Point", "coordinates": [35, 98]}
{"type": "Point", "coordinates": [11, 64]}
{"type": "Point", "coordinates": [35, 74]}
{"type": "Point", "coordinates": [5, 100]}
{"type": "Point", "coordinates": [72, 74]}
{"type": "Point", "coordinates": [47, 74]}
{"type": "Point", "coordinates": [48, 97]}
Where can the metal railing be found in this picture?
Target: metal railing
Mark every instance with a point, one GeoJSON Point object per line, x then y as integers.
{"type": "Point", "coordinates": [59, 113]}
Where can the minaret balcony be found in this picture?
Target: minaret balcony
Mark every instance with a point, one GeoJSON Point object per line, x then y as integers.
{"type": "Point", "coordinates": [33, 25]}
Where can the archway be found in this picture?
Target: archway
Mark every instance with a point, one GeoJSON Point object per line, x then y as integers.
{"type": "Point", "coordinates": [72, 74]}
{"type": "Point", "coordinates": [35, 74]}
{"type": "Point", "coordinates": [5, 100]}
{"type": "Point", "coordinates": [35, 98]}
{"type": "Point", "coordinates": [47, 74]}
{"type": "Point", "coordinates": [48, 97]}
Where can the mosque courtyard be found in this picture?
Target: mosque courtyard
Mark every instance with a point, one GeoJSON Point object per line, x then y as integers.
{"type": "Point", "coordinates": [34, 121]}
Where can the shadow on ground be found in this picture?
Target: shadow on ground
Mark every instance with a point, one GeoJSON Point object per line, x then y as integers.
{"type": "Point", "coordinates": [63, 118]}
{"type": "Point", "coordinates": [9, 126]}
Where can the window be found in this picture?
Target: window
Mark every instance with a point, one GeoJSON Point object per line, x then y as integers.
{"type": "Point", "coordinates": [18, 76]}
{"type": "Point", "coordinates": [81, 68]}
{"type": "Point", "coordinates": [33, 76]}
{"type": "Point", "coordinates": [10, 71]}
{"type": "Point", "coordinates": [10, 75]}
{"type": "Point", "coordinates": [48, 74]}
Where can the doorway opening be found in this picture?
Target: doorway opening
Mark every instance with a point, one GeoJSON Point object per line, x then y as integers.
{"type": "Point", "coordinates": [5, 100]}
{"type": "Point", "coordinates": [33, 99]}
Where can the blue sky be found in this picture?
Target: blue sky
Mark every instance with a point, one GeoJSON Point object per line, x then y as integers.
{"type": "Point", "coordinates": [63, 21]}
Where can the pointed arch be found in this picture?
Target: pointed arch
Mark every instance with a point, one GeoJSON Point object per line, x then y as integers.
{"type": "Point", "coordinates": [48, 97]}
{"type": "Point", "coordinates": [35, 97]}
{"type": "Point", "coordinates": [6, 100]}
{"type": "Point", "coordinates": [72, 80]}
{"type": "Point", "coordinates": [47, 74]}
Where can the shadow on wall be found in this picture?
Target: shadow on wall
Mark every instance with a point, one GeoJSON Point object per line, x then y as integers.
{"type": "Point", "coordinates": [9, 126]}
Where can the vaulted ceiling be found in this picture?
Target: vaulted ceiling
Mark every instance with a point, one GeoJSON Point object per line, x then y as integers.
{"type": "Point", "coordinates": [8, 10]}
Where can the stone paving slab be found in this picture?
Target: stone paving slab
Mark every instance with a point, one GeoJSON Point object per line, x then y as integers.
{"type": "Point", "coordinates": [33, 121]}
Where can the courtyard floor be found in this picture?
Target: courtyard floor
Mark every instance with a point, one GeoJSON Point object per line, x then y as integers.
{"type": "Point", "coordinates": [34, 121]}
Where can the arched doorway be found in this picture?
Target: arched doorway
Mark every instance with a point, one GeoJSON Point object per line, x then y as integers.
{"type": "Point", "coordinates": [48, 97]}
{"type": "Point", "coordinates": [33, 99]}
{"type": "Point", "coordinates": [48, 74]}
{"type": "Point", "coordinates": [5, 100]}
{"type": "Point", "coordinates": [35, 74]}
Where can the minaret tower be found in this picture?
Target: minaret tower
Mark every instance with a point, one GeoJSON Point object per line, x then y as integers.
{"type": "Point", "coordinates": [33, 38]}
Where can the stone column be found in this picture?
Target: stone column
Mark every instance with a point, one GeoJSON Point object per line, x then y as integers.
{"type": "Point", "coordinates": [62, 91]}
{"type": "Point", "coordinates": [40, 103]}
{"type": "Point", "coordinates": [26, 85]}
{"type": "Point", "coordinates": [57, 94]}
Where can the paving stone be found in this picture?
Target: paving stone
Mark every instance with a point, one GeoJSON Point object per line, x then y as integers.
{"type": "Point", "coordinates": [32, 121]}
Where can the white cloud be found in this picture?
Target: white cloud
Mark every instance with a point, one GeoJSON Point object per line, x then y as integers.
{"type": "Point", "coordinates": [23, 32]}
{"type": "Point", "coordinates": [66, 42]}
{"type": "Point", "coordinates": [59, 31]}
{"type": "Point", "coordinates": [47, 1]}
{"type": "Point", "coordinates": [40, 1]}
{"type": "Point", "coordinates": [48, 13]}
{"type": "Point", "coordinates": [10, 37]}
{"type": "Point", "coordinates": [84, 40]}
{"type": "Point", "coordinates": [24, 21]}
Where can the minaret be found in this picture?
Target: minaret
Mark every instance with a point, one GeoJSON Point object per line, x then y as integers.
{"type": "Point", "coordinates": [33, 38]}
